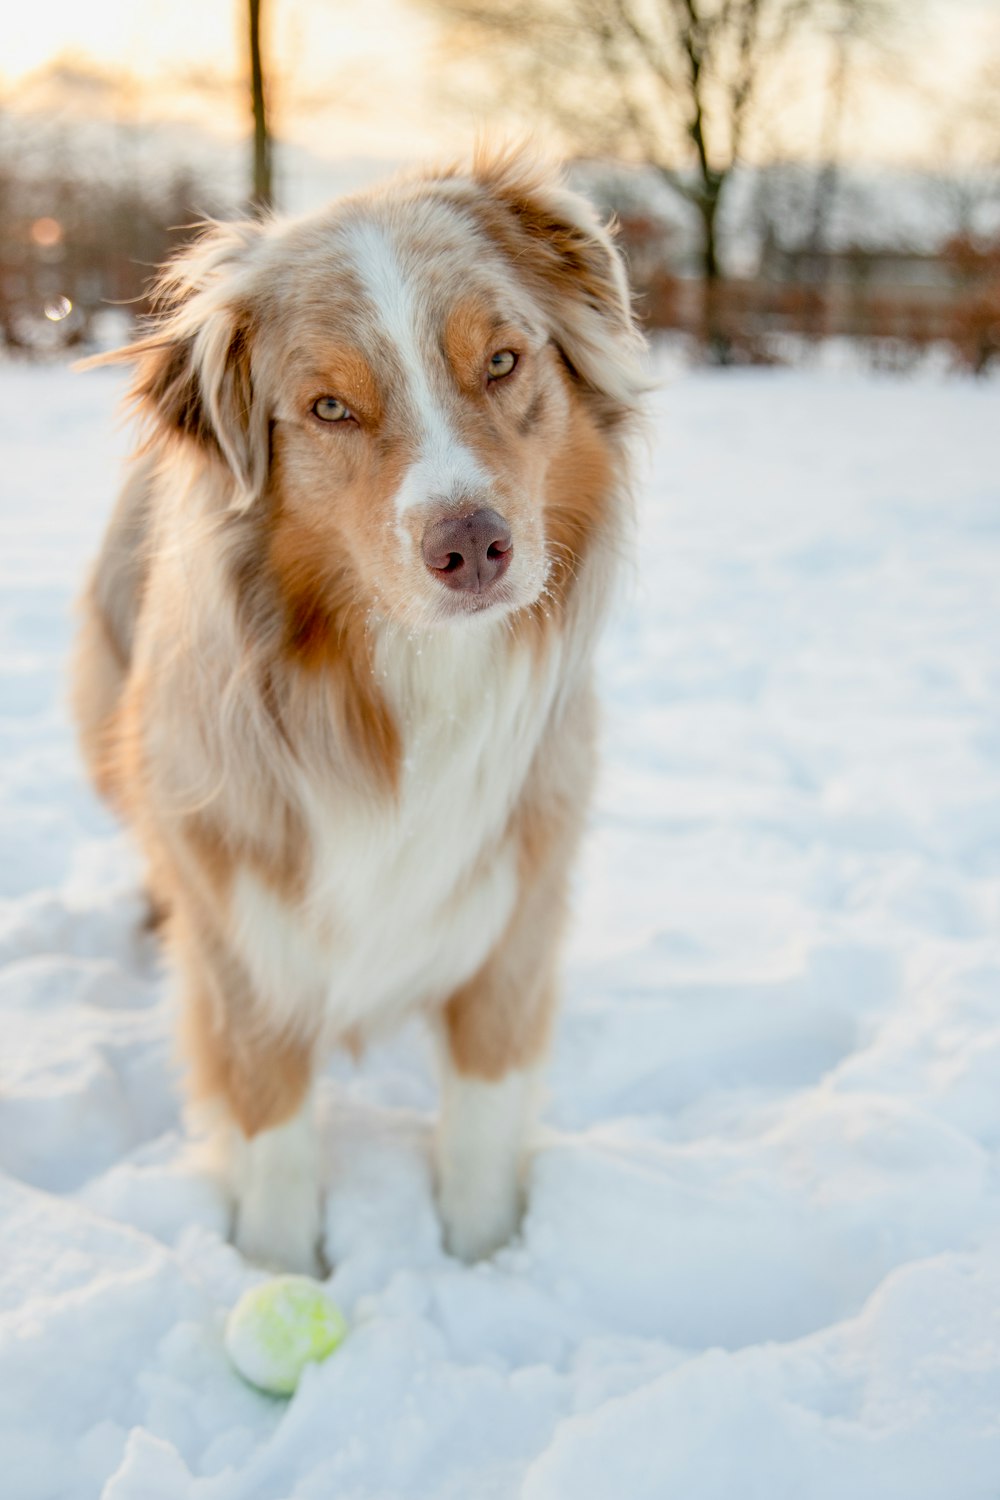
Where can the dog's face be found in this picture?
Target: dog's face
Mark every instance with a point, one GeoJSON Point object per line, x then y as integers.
{"type": "Point", "coordinates": [417, 407]}
{"type": "Point", "coordinates": [418, 388]}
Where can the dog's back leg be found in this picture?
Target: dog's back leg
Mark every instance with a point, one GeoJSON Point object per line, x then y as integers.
{"type": "Point", "coordinates": [109, 612]}
{"type": "Point", "coordinates": [98, 682]}
{"type": "Point", "coordinates": [102, 658]}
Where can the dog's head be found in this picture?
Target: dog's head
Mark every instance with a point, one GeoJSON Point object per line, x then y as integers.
{"type": "Point", "coordinates": [420, 388]}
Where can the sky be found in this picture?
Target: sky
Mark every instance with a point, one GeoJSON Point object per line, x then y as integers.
{"type": "Point", "coordinates": [363, 80]}
{"type": "Point", "coordinates": [368, 62]}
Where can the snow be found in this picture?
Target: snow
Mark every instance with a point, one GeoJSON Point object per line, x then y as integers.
{"type": "Point", "coordinates": [762, 1256]}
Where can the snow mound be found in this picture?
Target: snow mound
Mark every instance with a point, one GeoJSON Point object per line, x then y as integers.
{"type": "Point", "coordinates": [762, 1254]}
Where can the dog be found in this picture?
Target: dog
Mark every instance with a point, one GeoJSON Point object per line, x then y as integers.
{"type": "Point", "coordinates": [334, 665]}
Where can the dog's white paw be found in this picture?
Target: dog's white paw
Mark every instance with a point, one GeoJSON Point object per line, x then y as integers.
{"type": "Point", "coordinates": [278, 1211]}
{"type": "Point", "coordinates": [478, 1219]}
{"type": "Point", "coordinates": [480, 1160]}
{"type": "Point", "coordinates": [281, 1230]}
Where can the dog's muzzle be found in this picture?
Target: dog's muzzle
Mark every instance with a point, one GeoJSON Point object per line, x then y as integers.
{"type": "Point", "coordinates": [469, 552]}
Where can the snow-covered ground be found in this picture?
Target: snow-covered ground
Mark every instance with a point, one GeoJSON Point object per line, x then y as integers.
{"type": "Point", "coordinates": [762, 1257]}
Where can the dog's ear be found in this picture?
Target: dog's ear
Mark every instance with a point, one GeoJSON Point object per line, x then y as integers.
{"type": "Point", "coordinates": [194, 372]}
{"type": "Point", "coordinates": [556, 242]}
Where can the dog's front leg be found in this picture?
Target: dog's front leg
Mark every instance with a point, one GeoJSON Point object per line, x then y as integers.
{"type": "Point", "coordinates": [255, 1074]}
{"type": "Point", "coordinates": [494, 1041]}
{"type": "Point", "coordinates": [496, 1027]}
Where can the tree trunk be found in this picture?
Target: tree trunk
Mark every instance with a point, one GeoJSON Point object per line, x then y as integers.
{"type": "Point", "coordinates": [262, 198]}
{"type": "Point", "coordinates": [817, 312]}
{"type": "Point", "coordinates": [717, 343]}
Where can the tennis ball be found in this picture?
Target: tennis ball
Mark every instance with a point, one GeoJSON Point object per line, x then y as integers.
{"type": "Point", "coordinates": [279, 1327]}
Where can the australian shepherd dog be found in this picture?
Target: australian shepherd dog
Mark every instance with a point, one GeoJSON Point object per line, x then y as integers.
{"type": "Point", "coordinates": [335, 661]}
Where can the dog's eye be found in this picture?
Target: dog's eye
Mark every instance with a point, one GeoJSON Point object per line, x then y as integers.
{"type": "Point", "coordinates": [329, 409]}
{"type": "Point", "coordinates": [501, 364]}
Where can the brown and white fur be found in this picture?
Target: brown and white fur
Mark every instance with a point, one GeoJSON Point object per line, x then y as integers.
{"type": "Point", "coordinates": [359, 787]}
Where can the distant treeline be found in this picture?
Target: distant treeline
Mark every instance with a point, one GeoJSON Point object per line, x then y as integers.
{"type": "Point", "coordinates": [897, 304]}
{"type": "Point", "coordinates": [74, 249]}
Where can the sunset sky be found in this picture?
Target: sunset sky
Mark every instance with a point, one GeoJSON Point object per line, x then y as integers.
{"type": "Point", "coordinates": [360, 80]}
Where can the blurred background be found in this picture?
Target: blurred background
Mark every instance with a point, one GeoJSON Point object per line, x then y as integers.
{"type": "Point", "coordinates": [786, 173]}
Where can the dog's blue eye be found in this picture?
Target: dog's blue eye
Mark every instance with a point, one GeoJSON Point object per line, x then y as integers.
{"type": "Point", "coordinates": [501, 364]}
{"type": "Point", "coordinates": [329, 409]}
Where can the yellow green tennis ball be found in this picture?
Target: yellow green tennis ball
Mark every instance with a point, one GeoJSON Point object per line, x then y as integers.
{"type": "Point", "coordinates": [279, 1327]}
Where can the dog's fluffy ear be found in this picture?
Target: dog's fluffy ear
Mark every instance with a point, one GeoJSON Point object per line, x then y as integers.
{"type": "Point", "coordinates": [555, 240]}
{"type": "Point", "coordinates": [194, 365]}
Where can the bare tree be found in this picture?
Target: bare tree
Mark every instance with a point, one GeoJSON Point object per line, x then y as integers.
{"type": "Point", "coordinates": [849, 28]}
{"type": "Point", "coordinates": [968, 153]}
{"type": "Point", "coordinates": [670, 82]}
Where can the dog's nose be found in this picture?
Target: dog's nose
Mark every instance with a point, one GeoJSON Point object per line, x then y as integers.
{"type": "Point", "coordinates": [468, 552]}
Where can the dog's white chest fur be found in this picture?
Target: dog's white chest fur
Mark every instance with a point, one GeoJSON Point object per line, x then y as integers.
{"type": "Point", "coordinates": [406, 898]}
